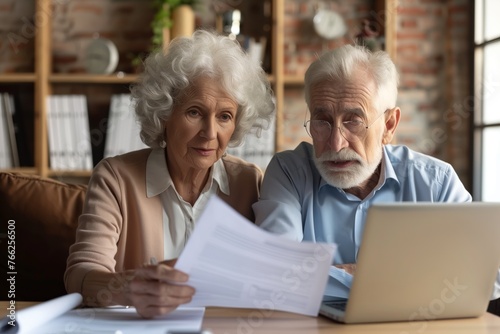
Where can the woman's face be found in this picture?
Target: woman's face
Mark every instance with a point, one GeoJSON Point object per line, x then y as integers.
{"type": "Point", "coordinates": [201, 124]}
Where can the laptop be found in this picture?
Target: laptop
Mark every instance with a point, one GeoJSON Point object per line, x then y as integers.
{"type": "Point", "coordinates": [423, 261]}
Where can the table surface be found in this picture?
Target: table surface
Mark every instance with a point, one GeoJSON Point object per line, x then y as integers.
{"type": "Point", "coordinates": [250, 321]}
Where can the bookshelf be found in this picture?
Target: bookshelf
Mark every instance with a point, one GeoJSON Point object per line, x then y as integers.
{"type": "Point", "coordinates": [44, 82]}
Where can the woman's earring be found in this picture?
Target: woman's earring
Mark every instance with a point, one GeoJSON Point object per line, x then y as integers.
{"type": "Point", "coordinates": [163, 144]}
{"type": "Point", "coordinates": [224, 154]}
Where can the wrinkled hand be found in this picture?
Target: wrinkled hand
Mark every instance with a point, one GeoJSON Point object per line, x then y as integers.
{"type": "Point", "coordinates": [349, 268]}
{"type": "Point", "coordinates": [159, 289]}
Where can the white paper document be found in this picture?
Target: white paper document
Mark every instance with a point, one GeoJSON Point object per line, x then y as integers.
{"type": "Point", "coordinates": [58, 316]}
{"type": "Point", "coordinates": [233, 263]}
{"type": "Point", "coordinates": [35, 316]}
{"type": "Point", "coordinates": [123, 321]}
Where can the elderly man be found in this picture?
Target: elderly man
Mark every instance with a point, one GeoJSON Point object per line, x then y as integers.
{"type": "Point", "coordinates": [321, 192]}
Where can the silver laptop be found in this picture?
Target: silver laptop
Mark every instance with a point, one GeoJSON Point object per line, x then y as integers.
{"type": "Point", "coordinates": [423, 261]}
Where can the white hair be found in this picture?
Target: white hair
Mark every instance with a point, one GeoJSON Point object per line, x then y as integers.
{"type": "Point", "coordinates": [340, 63]}
{"type": "Point", "coordinates": [167, 74]}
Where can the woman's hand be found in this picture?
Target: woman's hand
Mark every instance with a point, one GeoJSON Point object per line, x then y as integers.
{"type": "Point", "coordinates": [158, 289]}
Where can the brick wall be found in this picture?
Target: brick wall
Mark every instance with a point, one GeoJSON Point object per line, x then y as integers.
{"type": "Point", "coordinates": [433, 58]}
{"type": "Point", "coordinates": [16, 36]}
{"type": "Point", "coordinates": [76, 23]}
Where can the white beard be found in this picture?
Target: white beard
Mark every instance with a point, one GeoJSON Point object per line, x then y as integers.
{"type": "Point", "coordinates": [348, 177]}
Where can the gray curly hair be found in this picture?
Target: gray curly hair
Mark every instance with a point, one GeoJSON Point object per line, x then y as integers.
{"type": "Point", "coordinates": [167, 74]}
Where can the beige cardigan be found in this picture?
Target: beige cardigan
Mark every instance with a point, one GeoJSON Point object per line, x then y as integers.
{"type": "Point", "coordinates": [121, 228]}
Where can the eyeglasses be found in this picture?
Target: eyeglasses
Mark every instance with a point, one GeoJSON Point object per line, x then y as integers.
{"type": "Point", "coordinates": [352, 131]}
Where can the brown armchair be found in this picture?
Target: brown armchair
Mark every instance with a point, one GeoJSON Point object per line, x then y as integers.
{"type": "Point", "coordinates": [44, 215]}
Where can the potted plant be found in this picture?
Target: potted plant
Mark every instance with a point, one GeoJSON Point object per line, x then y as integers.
{"type": "Point", "coordinates": [164, 19]}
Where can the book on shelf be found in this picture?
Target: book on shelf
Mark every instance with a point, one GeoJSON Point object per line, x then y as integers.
{"type": "Point", "coordinates": [83, 144]}
{"type": "Point", "coordinates": [68, 132]}
{"type": "Point", "coordinates": [123, 132]}
{"type": "Point", "coordinates": [9, 156]}
{"type": "Point", "coordinates": [256, 48]}
{"type": "Point", "coordinates": [23, 117]}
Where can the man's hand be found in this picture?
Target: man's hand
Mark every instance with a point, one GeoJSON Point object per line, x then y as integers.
{"type": "Point", "coordinates": [349, 268]}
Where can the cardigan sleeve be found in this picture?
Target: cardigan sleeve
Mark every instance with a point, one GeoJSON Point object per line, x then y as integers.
{"type": "Point", "coordinates": [98, 230]}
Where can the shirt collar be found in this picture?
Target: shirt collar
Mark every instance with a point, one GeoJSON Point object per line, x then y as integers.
{"type": "Point", "coordinates": [220, 176]}
{"type": "Point", "coordinates": [388, 167]}
{"type": "Point", "coordinates": [158, 178]}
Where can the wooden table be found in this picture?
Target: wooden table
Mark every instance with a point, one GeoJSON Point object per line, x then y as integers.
{"type": "Point", "coordinates": [253, 321]}
{"type": "Point", "coordinates": [246, 321]}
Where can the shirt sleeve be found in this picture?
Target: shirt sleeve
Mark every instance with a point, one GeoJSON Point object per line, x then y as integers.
{"type": "Point", "coordinates": [279, 207]}
{"type": "Point", "coordinates": [452, 189]}
{"type": "Point", "coordinates": [495, 294]}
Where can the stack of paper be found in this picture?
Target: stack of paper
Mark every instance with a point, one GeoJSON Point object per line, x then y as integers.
{"type": "Point", "coordinates": [59, 316]}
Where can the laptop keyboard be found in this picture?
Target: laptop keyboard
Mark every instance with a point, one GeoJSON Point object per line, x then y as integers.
{"type": "Point", "coordinates": [337, 304]}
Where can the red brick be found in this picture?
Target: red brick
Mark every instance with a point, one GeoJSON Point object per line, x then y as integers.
{"type": "Point", "coordinates": [407, 48]}
{"type": "Point", "coordinates": [412, 11]}
{"type": "Point", "coordinates": [426, 107]}
{"type": "Point", "coordinates": [408, 83]}
{"type": "Point", "coordinates": [458, 9]}
{"type": "Point", "coordinates": [411, 35]}
{"type": "Point", "coordinates": [292, 23]}
{"type": "Point", "coordinates": [65, 59]}
{"type": "Point", "coordinates": [304, 8]}
{"type": "Point", "coordinates": [123, 10]}
{"type": "Point", "coordinates": [7, 7]}
{"type": "Point", "coordinates": [430, 2]}
{"type": "Point", "coordinates": [89, 8]}
{"type": "Point", "coordinates": [291, 8]}
{"type": "Point", "coordinates": [408, 23]}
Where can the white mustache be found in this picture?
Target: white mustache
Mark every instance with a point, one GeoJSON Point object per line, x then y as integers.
{"type": "Point", "coordinates": [342, 155]}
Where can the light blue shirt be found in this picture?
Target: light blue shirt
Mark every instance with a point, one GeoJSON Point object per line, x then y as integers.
{"type": "Point", "coordinates": [296, 202]}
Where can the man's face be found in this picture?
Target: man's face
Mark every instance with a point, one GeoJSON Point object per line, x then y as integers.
{"type": "Point", "coordinates": [347, 163]}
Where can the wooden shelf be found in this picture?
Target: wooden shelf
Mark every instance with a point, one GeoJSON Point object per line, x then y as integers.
{"type": "Point", "coordinates": [93, 79]}
{"type": "Point", "coordinates": [23, 170]}
{"type": "Point", "coordinates": [293, 80]}
{"type": "Point", "coordinates": [17, 77]}
{"type": "Point", "coordinates": [69, 173]}
{"type": "Point", "coordinates": [46, 83]}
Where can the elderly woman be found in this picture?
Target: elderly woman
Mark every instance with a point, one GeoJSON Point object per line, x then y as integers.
{"type": "Point", "coordinates": [192, 101]}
